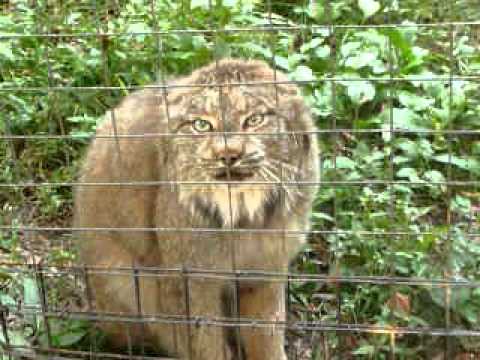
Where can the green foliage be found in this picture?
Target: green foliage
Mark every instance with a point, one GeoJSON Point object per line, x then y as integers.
{"type": "Point", "coordinates": [63, 333]}
{"type": "Point", "coordinates": [393, 210]}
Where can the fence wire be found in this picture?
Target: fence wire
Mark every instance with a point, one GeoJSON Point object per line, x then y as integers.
{"type": "Point", "coordinates": [324, 311]}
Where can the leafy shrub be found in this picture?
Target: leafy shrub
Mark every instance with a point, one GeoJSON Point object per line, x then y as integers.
{"type": "Point", "coordinates": [394, 95]}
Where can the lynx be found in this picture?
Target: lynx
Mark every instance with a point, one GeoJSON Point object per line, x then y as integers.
{"type": "Point", "coordinates": [216, 175]}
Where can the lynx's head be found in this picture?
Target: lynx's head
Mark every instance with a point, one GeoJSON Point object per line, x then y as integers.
{"type": "Point", "coordinates": [253, 141]}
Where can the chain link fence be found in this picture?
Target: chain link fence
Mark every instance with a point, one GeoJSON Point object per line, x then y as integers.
{"type": "Point", "coordinates": [391, 269]}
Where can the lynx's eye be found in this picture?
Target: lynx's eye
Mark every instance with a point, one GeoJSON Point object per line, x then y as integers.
{"type": "Point", "coordinates": [202, 125]}
{"type": "Point", "coordinates": [254, 121]}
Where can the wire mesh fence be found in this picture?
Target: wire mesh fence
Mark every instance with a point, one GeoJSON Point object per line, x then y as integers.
{"type": "Point", "coordinates": [391, 269]}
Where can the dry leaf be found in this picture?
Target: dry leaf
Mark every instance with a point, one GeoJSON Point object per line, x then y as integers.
{"type": "Point", "coordinates": [399, 302]}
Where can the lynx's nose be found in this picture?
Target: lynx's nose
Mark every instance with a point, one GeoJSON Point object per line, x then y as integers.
{"type": "Point", "coordinates": [228, 152]}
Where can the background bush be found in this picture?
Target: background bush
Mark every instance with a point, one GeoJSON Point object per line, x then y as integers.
{"type": "Point", "coordinates": [385, 208]}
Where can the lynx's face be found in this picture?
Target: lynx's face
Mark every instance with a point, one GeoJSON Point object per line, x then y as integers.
{"type": "Point", "coordinates": [239, 137]}
{"type": "Point", "coordinates": [232, 138]}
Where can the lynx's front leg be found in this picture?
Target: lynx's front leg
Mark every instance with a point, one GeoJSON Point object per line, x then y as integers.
{"type": "Point", "coordinates": [266, 303]}
{"type": "Point", "coordinates": [202, 341]}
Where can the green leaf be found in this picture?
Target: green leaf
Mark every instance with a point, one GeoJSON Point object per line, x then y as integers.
{"type": "Point", "coordinates": [322, 52]}
{"type": "Point", "coordinates": [82, 119]}
{"type": "Point", "coordinates": [341, 162]}
{"type": "Point", "coordinates": [16, 338]}
{"type": "Point", "coordinates": [360, 91]}
{"type": "Point", "coordinates": [80, 134]}
{"type": "Point", "coordinates": [6, 50]}
{"type": "Point", "coordinates": [434, 176]}
{"type": "Point", "coordinates": [261, 50]}
{"type": "Point", "coordinates": [199, 42]}
{"type": "Point", "coordinates": [200, 3]}
{"type": "Point", "coordinates": [139, 28]}
{"type": "Point", "coordinates": [373, 156]}
{"type": "Point", "coordinates": [295, 59]}
{"type": "Point", "coordinates": [70, 337]}
{"type": "Point", "coordinates": [461, 204]}
{"type": "Point", "coordinates": [302, 73]}
{"type": "Point", "coordinates": [378, 67]}
{"type": "Point", "coordinates": [322, 100]}
{"type": "Point", "coordinates": [361, 60]}
{"type": "Point", "coordinates": [368, 7]}
{"type": "Point", "coordinates": [30, 292]}
{"type": "Point", "coordinates": [322, 216]}
{"type": "Point", "coordinates": [230, 3]}
{"type": "Point", "coordinates": [64, 332]}
{"type": "Point", "coordinates": [350, 48]}
{"type": "Point", "coordinates": [364, 350]}
{"type": "Point", "coordinates": [401, 41]}
{"type": "Point", "coordinates": [409, 173]}
{"type": "Point", "coordinates": [73, 18]}
{"type": "Point", "coordinates": [345, 163]}
{"type": "Point", "coordinates": [408, 147]}
{"type": "Point", "coordinates": [400, 159]}
{"type": "Point", "coordinates": [7, 300]}
{"type": "Point", "coordinates": [470, 313]}
{"type": "Point", "coordinates": [6, 21]}
{"type": "Point", "coordinates": [313, 44]}
{"type": "Point", "coordinates": [403, 118]}
{"type": "Point", "coordinates": [282, 62]}
{"type": "Point", "coordinates": [424, 148]}
{"type": "Point", "coordinates": [467, 164]}
{"type": "Point", "coordinates": [414, 101]}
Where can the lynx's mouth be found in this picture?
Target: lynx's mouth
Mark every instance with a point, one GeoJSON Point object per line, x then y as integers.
{"type": "Point", "coordinates": [235, 175]}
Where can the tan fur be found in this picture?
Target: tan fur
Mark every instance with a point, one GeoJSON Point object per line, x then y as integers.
{"type": "Point", "coordinates": [188, 158]}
